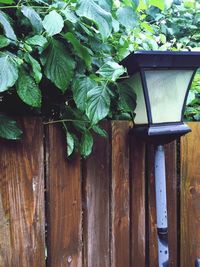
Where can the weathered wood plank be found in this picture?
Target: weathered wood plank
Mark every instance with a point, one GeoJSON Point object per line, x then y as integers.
{"type": "Point", "coordinates": [22, 198]}
{"type": "Point", "coordinates": [190, 196]}
{"type": "Point", "coordinates": [137, 204]}
{"type": "Point", "coordinates": [63, 184]}
{"type": "Point", "coordinates": [171, 178]}
{"type": "Point", "coordinates": [120, 195]}
{"type": "Point", "coordinates": [96, 213]}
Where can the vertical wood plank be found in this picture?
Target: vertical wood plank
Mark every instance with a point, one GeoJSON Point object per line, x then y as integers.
{"type": "Point", "coordinates": [171, 179]}
{"type": "Point", "coordinates": [120, 195]}
{"type": "Point", "coordinates": [190, 196]}
{"type": "Point", "coordinates": [96, 173]}
{"type": "Point", "coordinates": [22, 198]}
{"type": "Point", "coordinates": [138, 213]}
{"type": "Point", "coordinates": [64, 203]}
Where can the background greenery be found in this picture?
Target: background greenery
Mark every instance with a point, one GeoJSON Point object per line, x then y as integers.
{"type": "Point", "coordinates": [60, 59]}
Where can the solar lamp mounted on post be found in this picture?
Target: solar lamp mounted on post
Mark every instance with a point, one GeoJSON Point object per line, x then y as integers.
{"type": "Point", "coordinates": [161, 81]}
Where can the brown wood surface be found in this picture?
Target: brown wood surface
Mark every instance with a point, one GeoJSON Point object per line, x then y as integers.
{"type": "Point", "coordinates": [190, 196]}
{"type": "Point", "coordinates": [171, 178]}
{"type": "Point", "coordinates": [63, 203]}
{"type": "Point", "coordinates": [22, 198]}
{"type": "Point", "coordinates": [137, 204]}
{"type": "Point", "coordinates": [120, 246]}
{"type": "Point", "coordinates": [96, 213]}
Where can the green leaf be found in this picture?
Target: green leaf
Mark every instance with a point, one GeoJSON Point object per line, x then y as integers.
{"type": "Point", "coordinates": [9, 128]}
{"type": "Point", "coordinates": [53, 23]}
{"type": "Point", "coordinates": [8, 71]}
{"type": "Point", "coordinates": [4, 41]}
{"type": "Point", "coordinates": [127, 17]}
{"type": "Point", "coordinates": [37, 40]}
{"type": "Point", "coordinates": [111, 70]}
{"type": "Point", "coordinates": [59, 65]}
{"type": "Point", "coordinates": [80, 49]}
{"type": "Point", "coordinates": [81, 86]}
{"type": "Point", "coordinates": [97, 129]}
{"type": "Point", "coordinates": [28, 90]}
{"type": "Point", "coordinates": [36, 68]}
{"type": "Point", "coordinates": [33, 17]}
{"type": "Point", "coordinates": [98, 103]}
{"type": "Point", "coordinates": [69, 15]}
{"type": "Point", "coordinates": [86, 144]}
{"type": "Point", "coordinates": [90, 10]}
{"type": "Point", "coordinates": [127, 97]}
{"type": "Point", "coordinates": [70, 143]}
{"type": "Point", "coordinates": [105, 4]}
{"type": "Point", "coordinates": [4, 21]}
{"type": "Point", "coordinates": [6, 2]}
{"type": "Point", "coordinates": [158, 3]}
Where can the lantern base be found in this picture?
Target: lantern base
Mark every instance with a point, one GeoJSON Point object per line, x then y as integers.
{"type": "Point", "coordinates": [160, 133]}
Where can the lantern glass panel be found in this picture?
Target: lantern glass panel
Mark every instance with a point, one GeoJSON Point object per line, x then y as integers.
{"type": "Point", "coordinates": [167, 90]}
{"type": "Point", "coordinates": [141, 111]}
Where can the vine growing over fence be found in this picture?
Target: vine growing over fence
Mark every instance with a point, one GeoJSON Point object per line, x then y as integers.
{"type": "Point", "coordinates": [61, 59]}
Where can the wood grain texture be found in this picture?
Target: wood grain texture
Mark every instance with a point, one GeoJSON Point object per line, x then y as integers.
{"type": "Point", "coordinates": [120, 246]}
{"type": "Point", "coordinates": [63, 203]}
{"type": "Point", "coordinates": [190, 196]}
{"type": "Point", "coordinates": [97, 177]}
{"type": "Point", "coordinates": [22, 198]}
{"type": "Point", "coordinates": [137, 204]}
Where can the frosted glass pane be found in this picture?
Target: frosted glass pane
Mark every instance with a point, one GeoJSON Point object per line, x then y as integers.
{"type": "Point", "coordinates": [141, 112]}
{"type": "Point", "coordinates": [167, 89]}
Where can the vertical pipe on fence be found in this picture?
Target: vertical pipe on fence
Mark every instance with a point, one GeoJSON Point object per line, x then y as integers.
{"type": "Point", "coordinates": [161, 207]}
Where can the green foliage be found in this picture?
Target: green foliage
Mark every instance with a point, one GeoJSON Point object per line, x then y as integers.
{"type": "Point", "coordinates": [62, 58]}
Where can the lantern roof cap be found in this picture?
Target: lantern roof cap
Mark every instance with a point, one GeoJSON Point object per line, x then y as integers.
{"type": "Point", "coordinates": [161, 59]}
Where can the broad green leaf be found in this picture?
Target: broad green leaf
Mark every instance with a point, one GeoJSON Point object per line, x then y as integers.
{"type": "Point", "coordinates": [53, 23]}
{"type": "Point", "coordinates": [33, 17]}
{"type": "Point", "coordinates": [92, 11]}
{"type": "Point", "coordinates": [8, 71]}
{"type": "Point", "coordinates": [36, 68]}
{"type": "Point", "coordinates": [69, 15]}
{"type": "Point", "coordinates": [80, 49]}
{"type": "Point", "coordinates": [28, 90]}
{"type": "Point", "coordinates": [98, 103]}
{"type": "Point", "coordinates": [86, 144]}
{"type": "Point", "coordinates": [4, 21]}
{"type": "Point", "coordinates": [9, 128]}
{"type": "Point", "coordinates": [70, 143]}
{"type": "Point", "coordinates": [111, 70]}
{"type": "Point", "coordinates": [59, 65]}
{"type": "Point", "coordinates": [97, 129]}
{"type": "Point", "coordinates": [105, 4]}
{"type": "Point", "coordinates": [37, 40]}
{"type": "Point", "coordinates": [4, 41]}
{"type": "Point", "coordinates": [127, 97]}
{"type": "Point", "coordinates": [81, 86]}
{"type": "Point", "coordinates": [127, 17]}
{"type": "Point", "coordinates": [158, 3]}
{"type": "Point", "coordinates": [6, 2]}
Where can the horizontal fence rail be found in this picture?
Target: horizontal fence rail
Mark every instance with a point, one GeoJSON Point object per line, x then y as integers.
{"type": "Point", "coordinates": [98, 212]}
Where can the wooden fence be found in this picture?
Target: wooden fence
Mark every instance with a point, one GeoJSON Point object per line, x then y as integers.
{"type": "Point", "coordinates": [99, 212]}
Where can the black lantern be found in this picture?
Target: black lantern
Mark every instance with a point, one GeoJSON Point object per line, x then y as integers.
{"type": "Point", "coordinates": [161, 81]}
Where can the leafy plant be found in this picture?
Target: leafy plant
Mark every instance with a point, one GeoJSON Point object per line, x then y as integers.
{"type": "Point", "coordinates": [61, 58]}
